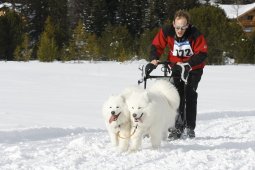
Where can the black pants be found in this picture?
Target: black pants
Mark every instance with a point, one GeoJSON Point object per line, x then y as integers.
{"type": "Point", "coordinates": [191, 97]}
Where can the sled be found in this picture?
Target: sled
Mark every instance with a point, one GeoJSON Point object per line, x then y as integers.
{"type": "Point", "coordinates": [165, 69]}
{"type": "Point", "coordinates": [167, 74]}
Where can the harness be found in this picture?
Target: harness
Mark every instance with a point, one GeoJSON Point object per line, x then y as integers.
{"type": "Point", "coordinates": [127, 137]}
{"type": "Point", "coordinates": [118, 133]}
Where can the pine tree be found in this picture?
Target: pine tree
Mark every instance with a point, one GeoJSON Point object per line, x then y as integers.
{"type": "Point", "coordinates": [83, 45]}
{"type": "Point", "coordinates": [112, 8]}
{"type": "Point", "coordinates": [116, 43]}
{"type": "Point", "coordinates": [95, 16]}
{"type": "Point", "coordinates": [130, 14]}
{"type": "Point", "coordinates": [57, 10]}
{"type": "Point", "coordinates": [92, 47]}
{"type": "Point", "coordinates": [212, 22]}
{"type": "Point", "coordinates": [225, 38]}
{"type": "Point", "coordinates": [36, 13]}
{"type": "Point", "coordinates": [23, 52]}
{"type": "Point", "coordinates": [160, 12]}
{"type": "Point", "coordinates": [253, 43]}
{"type": "Point", "coordinates": [74, 12]}
{"type": "Point", "coordinates": [77, 46]}
{"type": "Point", "coordinates": [47, 50]}
{"type": "Point", "coordinates": [11, 29]}
{"type": "Point", "coordinates": [173, 6]}
{"type": "Point", "coordinates": [134, 17]}
{"type": "Point", "coordinates": [145, 43]}
{"type": "Point", "coordinates": [65, 54]}
{"type": "Point", "coordinates": [236, 46]}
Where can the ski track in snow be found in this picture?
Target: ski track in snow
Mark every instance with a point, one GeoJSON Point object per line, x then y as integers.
{"type": "Point", "coordinates": [225, 140]}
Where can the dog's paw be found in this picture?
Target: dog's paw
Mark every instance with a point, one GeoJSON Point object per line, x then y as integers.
{"type": "Point", "coordinates": [133, 149]}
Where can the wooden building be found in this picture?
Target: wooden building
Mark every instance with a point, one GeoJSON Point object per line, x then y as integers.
{"type": "Point", "coordinates": [247, 20]}
{"type": "Point", "coordinates": [244, 15]}
{"type": "Point", "coordinates": [9, 6]}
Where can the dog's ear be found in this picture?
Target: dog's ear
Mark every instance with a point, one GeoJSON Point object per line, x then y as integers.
{"type": "Point", "coordinates": [123, 98]}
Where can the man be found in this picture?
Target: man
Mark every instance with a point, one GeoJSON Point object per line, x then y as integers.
{"type": "Point", "coordinates": [187, 52]}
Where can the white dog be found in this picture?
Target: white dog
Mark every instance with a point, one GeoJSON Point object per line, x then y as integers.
{"type": "Point", "coordinates": [153, 111]}
{"type": "Point", "coordinates": [117, 118]}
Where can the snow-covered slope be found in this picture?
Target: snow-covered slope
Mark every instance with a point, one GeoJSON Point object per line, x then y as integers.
{"type": "Point", "coordinates": [50, 118]}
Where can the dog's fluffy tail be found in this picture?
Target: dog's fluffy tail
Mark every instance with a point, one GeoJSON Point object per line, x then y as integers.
{"type": "Point", "coordinates": [168, 90]}
{"type": "Point", "coordinates": [126, 93]}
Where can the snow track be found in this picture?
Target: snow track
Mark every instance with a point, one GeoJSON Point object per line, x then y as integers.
{"type": "Point", "coordinates": [224, 140]}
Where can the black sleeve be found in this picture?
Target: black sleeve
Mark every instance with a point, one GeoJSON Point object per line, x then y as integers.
{"type": "Point", "coordinates": [197, 59]}
{"type": "Point", "coordinates": [153, 53]}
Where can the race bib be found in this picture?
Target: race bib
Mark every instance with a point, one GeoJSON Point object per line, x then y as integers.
{"type": "Point", "coordinates": [182, 49]}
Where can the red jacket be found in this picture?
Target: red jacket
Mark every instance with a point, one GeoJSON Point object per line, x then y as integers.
{"type": "Point", "coordinates": [191, 48]}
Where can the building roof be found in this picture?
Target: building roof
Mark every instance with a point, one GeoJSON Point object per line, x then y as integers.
{"type": "Point", "coordinates": [7, 5]}
{"type": "Point", "coordinates": [234, 11]}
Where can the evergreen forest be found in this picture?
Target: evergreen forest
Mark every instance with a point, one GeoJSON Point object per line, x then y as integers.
{"type": "Point", "coordinates": [112, 30]}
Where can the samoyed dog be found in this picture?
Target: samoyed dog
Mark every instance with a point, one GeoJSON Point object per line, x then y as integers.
{"type": "Point", "coordinates": [152, 112]}
{"type": "Point", "coordinates": [117, 118]}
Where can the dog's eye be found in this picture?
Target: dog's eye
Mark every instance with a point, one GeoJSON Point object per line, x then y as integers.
{"type": "Point", "coordinates": [139, 107]}
{"type": "Point", "coordinates": [110, 107]}
{"type": "Point", "coordinates": [117, 107]}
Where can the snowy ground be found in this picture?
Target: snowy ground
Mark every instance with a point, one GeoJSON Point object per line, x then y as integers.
{"type": "Point", "coordinates": [50, 118]}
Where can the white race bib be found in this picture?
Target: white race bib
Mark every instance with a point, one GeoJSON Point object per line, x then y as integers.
{"type": "Point", "coordinates": [182, 49]}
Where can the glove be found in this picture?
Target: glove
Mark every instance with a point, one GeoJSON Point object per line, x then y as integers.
{"type": "Point", "coordinates": [181, 70]}
{"type": "Point", "coordinates": [149, 68]}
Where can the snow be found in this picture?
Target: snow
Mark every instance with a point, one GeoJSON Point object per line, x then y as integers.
{"type": "Point", "coordinates": [5, 4]}
{"type": "Point", "coordinates": [50, 118]}
{"type": "Point", "coordinates": [234, 11]}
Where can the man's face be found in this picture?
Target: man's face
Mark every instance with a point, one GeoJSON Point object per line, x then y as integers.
{"type": "Point", "coordinates": [180, 24]}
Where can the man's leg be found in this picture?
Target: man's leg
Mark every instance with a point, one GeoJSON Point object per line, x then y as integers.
{"type": "Point", "coordinates": [191, 100]}
{"type": "Point", "coordinates": [191, 107]}
{"type": "Point", "coordinates": [179, 124]}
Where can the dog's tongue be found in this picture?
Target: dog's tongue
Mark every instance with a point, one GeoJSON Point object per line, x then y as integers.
{"type": "Point", "coordinates": [113, 118]}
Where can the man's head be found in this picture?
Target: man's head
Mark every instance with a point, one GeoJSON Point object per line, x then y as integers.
{"type": "Point", "coordinates": [181, 22]}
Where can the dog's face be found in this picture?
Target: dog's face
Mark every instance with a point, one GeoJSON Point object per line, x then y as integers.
{"type": "Point", "coordinates": [137, 104]}
{"type": "Point", "coordinates": [115, 110]}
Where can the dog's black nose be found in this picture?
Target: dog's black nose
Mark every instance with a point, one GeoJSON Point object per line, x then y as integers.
{"type": "Point", "coordinates": [134, 114]}
{"type": "Point", "coordinates": [112, 112]}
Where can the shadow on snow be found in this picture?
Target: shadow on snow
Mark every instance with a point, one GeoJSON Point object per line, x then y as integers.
{"type": "Point", "coordinates": [37, 134]}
